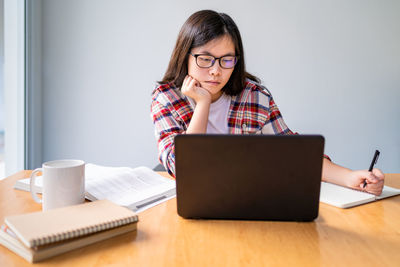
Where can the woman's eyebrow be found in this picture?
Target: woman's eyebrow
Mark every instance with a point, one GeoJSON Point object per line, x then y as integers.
{"type": "Point", "coordinates": [205, 52]}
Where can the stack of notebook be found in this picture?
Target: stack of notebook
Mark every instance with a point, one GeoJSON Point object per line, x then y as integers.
{"type": "Point", "coordinates": [40, 235]}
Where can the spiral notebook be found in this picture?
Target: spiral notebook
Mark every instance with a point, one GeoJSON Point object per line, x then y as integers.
{"type": "Point", "coordinates": [39, 235]}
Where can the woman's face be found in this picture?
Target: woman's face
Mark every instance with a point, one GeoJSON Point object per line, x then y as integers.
{"type": "Point", "coordinates": [215, 77]}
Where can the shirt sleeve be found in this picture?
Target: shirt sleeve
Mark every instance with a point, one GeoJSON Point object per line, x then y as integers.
{"type": "Point", "coordinates": [275, 124]}
{"type": "Point", "coordinates": [166, 128]}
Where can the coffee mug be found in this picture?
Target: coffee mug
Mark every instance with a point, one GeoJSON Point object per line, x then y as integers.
{"type": "Point", "coordinates": [63, 183]}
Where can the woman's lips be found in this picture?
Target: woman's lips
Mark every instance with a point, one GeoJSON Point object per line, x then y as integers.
{"type": "Point", "coordinates": [213, 82]}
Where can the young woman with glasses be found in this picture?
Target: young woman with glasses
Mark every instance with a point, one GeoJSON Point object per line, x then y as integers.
{"type": "Point", "coordinates": [206, 89]}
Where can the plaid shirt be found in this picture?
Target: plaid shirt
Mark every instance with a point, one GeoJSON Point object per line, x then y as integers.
{"type": "Point", "coordinates": [251, 112]}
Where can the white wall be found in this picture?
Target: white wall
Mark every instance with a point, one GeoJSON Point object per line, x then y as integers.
{"type": "Point", "coordinates": [332, 66]}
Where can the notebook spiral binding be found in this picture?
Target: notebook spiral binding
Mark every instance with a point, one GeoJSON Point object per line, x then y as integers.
{"type": "Point", "coordinates": [81, 232]}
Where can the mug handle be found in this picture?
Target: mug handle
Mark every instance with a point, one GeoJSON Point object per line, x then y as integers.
{"type": "Point", "coordinates": [33, 187]}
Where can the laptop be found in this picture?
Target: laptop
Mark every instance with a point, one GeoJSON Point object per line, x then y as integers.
{"type": "Point", "coordinates": [248, 177]}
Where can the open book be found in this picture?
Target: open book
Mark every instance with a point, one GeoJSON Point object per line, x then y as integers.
{"type": "Point", "coordinates": [138, 189]}
{"type": "Point", "coordinates": [343, 197]}
{"type": "Point", "coordinates": [40, 235]}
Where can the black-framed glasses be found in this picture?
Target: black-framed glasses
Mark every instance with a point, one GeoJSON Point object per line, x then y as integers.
{"type": "Point", "coordinates": [207, 61]}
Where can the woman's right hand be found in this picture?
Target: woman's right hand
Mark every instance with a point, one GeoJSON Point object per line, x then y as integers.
{"type": "Point", "coordinates": [192, 88]}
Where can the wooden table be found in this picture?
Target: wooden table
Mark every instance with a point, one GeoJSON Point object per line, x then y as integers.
{"type": "Point", "coordinates": [367, 235]}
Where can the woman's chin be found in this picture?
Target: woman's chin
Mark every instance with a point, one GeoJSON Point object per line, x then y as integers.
{"type": "Point", "coordinates": [213, 90]}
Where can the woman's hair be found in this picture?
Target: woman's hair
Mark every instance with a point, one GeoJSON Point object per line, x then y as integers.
{"type": "Point", "coordinates": [199, 29]}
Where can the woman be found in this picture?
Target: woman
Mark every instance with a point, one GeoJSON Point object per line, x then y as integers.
{"type": "Point", "coordinates": [206, 89]}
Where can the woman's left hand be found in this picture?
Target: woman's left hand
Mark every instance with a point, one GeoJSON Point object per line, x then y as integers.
{"type": "Point", "coordinates": [374, 181]}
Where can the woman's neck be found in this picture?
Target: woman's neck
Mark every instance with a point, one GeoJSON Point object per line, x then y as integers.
{"type": "Point", "coordinates": [216, 96]}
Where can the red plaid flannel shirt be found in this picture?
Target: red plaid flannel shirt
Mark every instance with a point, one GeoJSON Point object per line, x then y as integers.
{"type": "Point", "coordinates": [251, 112]}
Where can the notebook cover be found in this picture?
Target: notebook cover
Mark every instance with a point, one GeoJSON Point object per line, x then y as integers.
{"type": "Point", "coordinates": [40, 228]}
{"type": "Point", "coordinates": [35, 255]}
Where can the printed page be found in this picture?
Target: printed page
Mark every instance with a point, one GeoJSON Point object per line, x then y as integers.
{"type": "Point", "coordinates": [138, 189]}
{"type": "Point", "coordinates": [126, 186]}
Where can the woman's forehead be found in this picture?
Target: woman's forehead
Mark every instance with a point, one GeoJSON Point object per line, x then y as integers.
{"type": "Point", "coordinates": [221, 45]}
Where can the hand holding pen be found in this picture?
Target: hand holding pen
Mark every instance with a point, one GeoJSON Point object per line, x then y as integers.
{"type": "Point", "coordinates": [370, 181]}
{"type": "Point", "coordinates": [371, 166]}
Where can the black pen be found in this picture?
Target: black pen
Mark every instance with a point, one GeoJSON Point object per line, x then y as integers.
{"type": "Point", "coordinates": [373, 162]}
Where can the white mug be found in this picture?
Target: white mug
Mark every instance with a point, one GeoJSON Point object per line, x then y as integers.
{"type": "Point", "coordinates": [63, 183]}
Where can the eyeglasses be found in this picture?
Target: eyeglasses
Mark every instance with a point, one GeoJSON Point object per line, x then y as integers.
{"type": "Point", "coordinates": [207, 61]}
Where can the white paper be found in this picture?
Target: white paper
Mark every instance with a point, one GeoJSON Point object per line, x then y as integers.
{"type": "Point", "coordinates": [126, 186]}
{"type": "Point", "coordinates": [344, 197]}
{"type": "Point", "coordinates": [24, 184]}
{"type": "Point", "coordinates": [388, 192]}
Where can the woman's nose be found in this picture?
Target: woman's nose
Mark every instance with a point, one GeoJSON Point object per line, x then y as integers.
{"type": "Point", "coordinates": [215, 69]}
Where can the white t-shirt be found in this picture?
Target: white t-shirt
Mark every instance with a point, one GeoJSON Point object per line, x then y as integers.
{"type": "Point", "coordinates": [218, 116]}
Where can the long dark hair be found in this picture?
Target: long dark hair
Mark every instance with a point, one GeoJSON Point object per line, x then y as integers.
{"type": "Point", "coordinates": [200, 28]}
